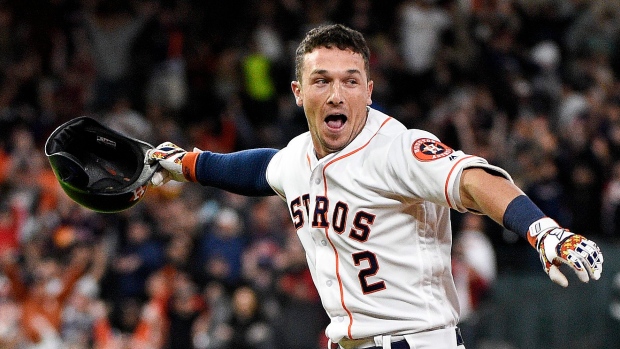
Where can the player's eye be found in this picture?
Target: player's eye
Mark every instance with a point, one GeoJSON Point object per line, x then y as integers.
{"type": "Point", "coordinates": [351, 82]}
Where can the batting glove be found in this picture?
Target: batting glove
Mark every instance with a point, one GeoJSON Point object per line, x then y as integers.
{"type": "Point", "coordinates": [170, 157]}
{"type": "Point", "coordinates": [557, 246]}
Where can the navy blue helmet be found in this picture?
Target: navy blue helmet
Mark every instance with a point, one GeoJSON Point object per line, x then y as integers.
{"type": "Point", "coordinates": [97, 167]}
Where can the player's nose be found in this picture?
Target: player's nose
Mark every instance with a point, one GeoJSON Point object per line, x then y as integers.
{"type": "Point", "coordinates": [335, 94]}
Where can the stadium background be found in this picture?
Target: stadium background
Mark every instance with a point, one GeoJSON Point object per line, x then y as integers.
{"type": "Point", "coordinates": [531, 85]}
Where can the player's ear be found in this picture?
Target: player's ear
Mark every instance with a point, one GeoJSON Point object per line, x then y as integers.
{"type": "Point", "coordinates": [369, 87]}
{"type": "Point", "coordinates": [296, 87]}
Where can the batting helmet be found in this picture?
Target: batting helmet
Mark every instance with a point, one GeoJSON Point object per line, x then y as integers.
{"type": "Point", "coordinates": [97, 167]}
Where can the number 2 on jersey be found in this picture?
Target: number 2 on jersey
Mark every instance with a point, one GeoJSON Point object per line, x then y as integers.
{"type": "Point", "coordinates": [373, 268]}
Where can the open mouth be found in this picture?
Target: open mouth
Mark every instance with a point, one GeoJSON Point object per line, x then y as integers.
{"type": "Point", "coordinates": [336, 121]}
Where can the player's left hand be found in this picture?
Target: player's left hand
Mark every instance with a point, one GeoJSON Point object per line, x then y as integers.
{"type": "Point", "coordinates": [557, 246]}
{"type": "Point", "coordinates": [170, 157]}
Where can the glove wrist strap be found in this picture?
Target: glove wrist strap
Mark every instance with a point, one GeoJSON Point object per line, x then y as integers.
{"type": "Point", "coordinates": [188, 164]}
{"type": "Point", "coordinates": [538, 228]}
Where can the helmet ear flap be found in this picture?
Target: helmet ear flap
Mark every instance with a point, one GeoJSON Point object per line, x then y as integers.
{"type": "Point", "coordinates": [69, 169]}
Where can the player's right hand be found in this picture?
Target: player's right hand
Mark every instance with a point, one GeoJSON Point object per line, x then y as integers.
{"type": "Point", "coordinates": [557, 246]}
{"type": "Point", "coordinates": [170, 157]}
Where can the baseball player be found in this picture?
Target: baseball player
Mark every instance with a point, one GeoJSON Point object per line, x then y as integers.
{"type": "Point", "coordinates": [370, 201]}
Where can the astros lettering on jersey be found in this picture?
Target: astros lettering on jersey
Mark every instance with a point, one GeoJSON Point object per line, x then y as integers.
{"type": "Point", "coordinates": [388, 194]}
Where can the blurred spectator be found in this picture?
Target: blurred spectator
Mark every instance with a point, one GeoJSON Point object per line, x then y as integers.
{"type": "Point", "coordinates": [167, 205]}
{"type": "Point", "coordinates": [221, 248]}
{"type": "Point", "coordinates": [261, 263]}
{"type": "Point", "coordinates": [11, 335]}
{"type": "Point", "coordinates": [421, 25]}
{"type": "Point", "coordinates": [152, 329]}
{"type": "Point", "coordinates": [167, 80]}
{"type": "Point", "coordinates": [123, 118]}
{"type": "Point", "coordinates": [168, 128]}
{"type": "Point", "coordinates": [43, 299]}
{"type": "Point", "coordinates": [137, 258]}
{"type": "Point", "coordinates": [30, 179]}
{"type": "Point", "coordinates": [208, 330]}
{"type": "Point", "coordinates": [185, 306]}
{"type": "Point", "coordinates": [301, 320]}
{"type": "Point", "coordinates": [218, 134]}
{"type": "Point", "coordinates": [12, 218]}
{"type": "Point", "coordinates": [113, 29]}
{"type": "Point", "coordinates": [546, 81]}
{"type": "Point", "coordinates": [585, 191]}
{"type": "Point", "coordinates": [501, 64]}
{"type": "Point", "coordinates": [547, 192]}
{"type": "Point", "coordinates": [248, 328]}
{"type": "Point", "coordinates": [146, 327]}
{"type": "Point", "coordinates": [571, 106]}
{"type": "Point", "coordinates": [595, 29]}
{"type": "Point", "coordinates": [610, 217]}
{"type": "Point", "coordinates": [475, 268]}
{"type": "Point", "coordinates": [258, 96]}
{"type": "Point", "coordinates": [266, 220]}
{"type": "Point", "coordinates": [77, 316]}
{"type": "Point", "coordinates": [179, 258]}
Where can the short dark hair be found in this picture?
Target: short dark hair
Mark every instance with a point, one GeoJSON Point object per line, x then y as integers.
{"type": "Point", "coordinates": [332, 35]}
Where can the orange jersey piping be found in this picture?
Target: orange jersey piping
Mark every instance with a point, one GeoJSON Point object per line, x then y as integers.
{"type": "Point", "coordinates": [327, 229]}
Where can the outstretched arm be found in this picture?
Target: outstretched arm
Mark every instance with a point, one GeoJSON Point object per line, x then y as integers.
{"type": "Point", "coordinates": [487, 193]}
{"type": "Point", "coordinates": [506, 204]}
{"type": "Point", "coordinates": [242, 172]}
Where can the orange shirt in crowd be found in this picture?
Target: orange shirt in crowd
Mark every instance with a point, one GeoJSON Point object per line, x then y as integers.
{"type": "Point", "coordinates": [41, 301]}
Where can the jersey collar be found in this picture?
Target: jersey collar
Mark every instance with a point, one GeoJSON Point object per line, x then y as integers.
{"type": "Point", "coordinates": [374, 121]}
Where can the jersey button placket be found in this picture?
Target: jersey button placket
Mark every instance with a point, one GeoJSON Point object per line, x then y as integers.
{"type": "Point", "coordinates": [317, 174]}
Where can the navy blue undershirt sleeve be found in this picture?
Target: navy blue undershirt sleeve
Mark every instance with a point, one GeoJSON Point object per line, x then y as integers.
{"type": "Point", "coordinates": [243, 172]}
{"type": "Point", "coordinates": [520, 214]}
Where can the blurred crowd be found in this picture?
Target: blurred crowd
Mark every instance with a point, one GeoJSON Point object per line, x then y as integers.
{"type": "Point", "coordinates": [531, 85]}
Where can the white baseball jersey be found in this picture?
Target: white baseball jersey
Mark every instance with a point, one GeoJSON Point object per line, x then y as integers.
{"type": "Point", "coordinates": [375, 224]}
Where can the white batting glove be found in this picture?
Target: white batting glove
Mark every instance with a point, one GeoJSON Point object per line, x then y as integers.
{"type": "Point", "coordinates": [557, 246]}
{"type": "Point", "coordinates": [169, 156]}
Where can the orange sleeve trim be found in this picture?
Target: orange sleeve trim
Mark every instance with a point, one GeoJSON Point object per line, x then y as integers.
{"type": "Point", "coordinates": [531, 239]}
{"type": "Point", "coordinates": [189, 166]}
